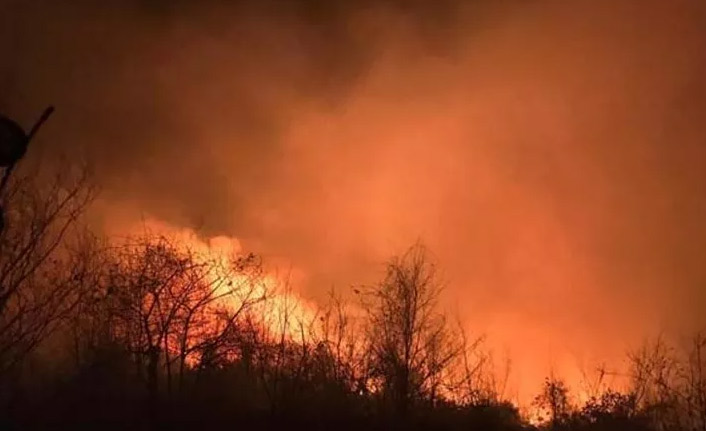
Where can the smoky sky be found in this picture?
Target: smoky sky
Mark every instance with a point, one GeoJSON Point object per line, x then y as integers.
{"type": "Point", "coordinates": [551, 154]}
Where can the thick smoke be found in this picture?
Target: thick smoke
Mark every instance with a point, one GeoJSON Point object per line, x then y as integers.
{"type": "Point", "coordinates": [550, 153]}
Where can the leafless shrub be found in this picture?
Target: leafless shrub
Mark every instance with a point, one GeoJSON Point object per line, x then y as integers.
{"type": "Point", "coordinates": [171, 308]}
{"type": "Point", "coordinates": [42, 274]}
{"type": "Point", "coordinates": [410, 343]}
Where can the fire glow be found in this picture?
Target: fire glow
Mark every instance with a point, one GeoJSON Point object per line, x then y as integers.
{"type": "Point", "coordinates": [274, 301]}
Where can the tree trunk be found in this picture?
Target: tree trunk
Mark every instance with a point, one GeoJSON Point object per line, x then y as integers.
{"type": "Point", "coordinates": [153, 384]}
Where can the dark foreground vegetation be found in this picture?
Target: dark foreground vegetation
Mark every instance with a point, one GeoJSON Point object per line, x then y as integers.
{"type": "Point", "coordinates": [146, 333]}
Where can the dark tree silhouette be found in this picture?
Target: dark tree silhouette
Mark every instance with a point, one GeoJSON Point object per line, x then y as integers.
{"type": "Point", "coordinates": [411, 345]}
{"type": "Point", "coordinates": [40, 266]}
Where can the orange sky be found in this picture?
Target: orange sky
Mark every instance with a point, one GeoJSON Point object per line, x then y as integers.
{"type": "Point", "coordinates": [549, 153]}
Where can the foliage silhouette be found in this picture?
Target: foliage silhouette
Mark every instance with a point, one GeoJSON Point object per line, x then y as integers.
{"type": "Point", "coordinates": [147, 333]}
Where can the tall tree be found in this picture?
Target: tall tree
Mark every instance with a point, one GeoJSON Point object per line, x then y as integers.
{"type": "Point", "coordinates": [411, 345]}
{"type": "Point", "coordinates": [40, 272]}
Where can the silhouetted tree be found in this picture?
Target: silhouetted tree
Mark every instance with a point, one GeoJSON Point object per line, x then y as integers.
{"type": "Point", "coordinates": [670, 384]}
{"type": "Point", "coordinates": [40, 272]}
{"type": "Point", "coordinates": [554, 403]}
{"type": "Point", "coordinates": [610, 410]}
{"type": "Point", "coordinates": [410, 344]}
{"type": "Point", "coordinates": [693, 378]}
{"type": "Point", "coordinates": [173, 310]}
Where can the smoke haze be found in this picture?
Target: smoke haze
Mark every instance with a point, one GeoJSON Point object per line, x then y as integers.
{"type": "Point", "coordinates": [551, 154]}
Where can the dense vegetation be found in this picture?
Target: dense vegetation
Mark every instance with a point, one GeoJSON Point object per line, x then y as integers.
{"type": "Point", "coordinates": [146, 333]}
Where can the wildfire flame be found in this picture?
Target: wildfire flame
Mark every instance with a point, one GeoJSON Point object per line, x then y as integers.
{"type": "Point", "coordinates": [281, 311]}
